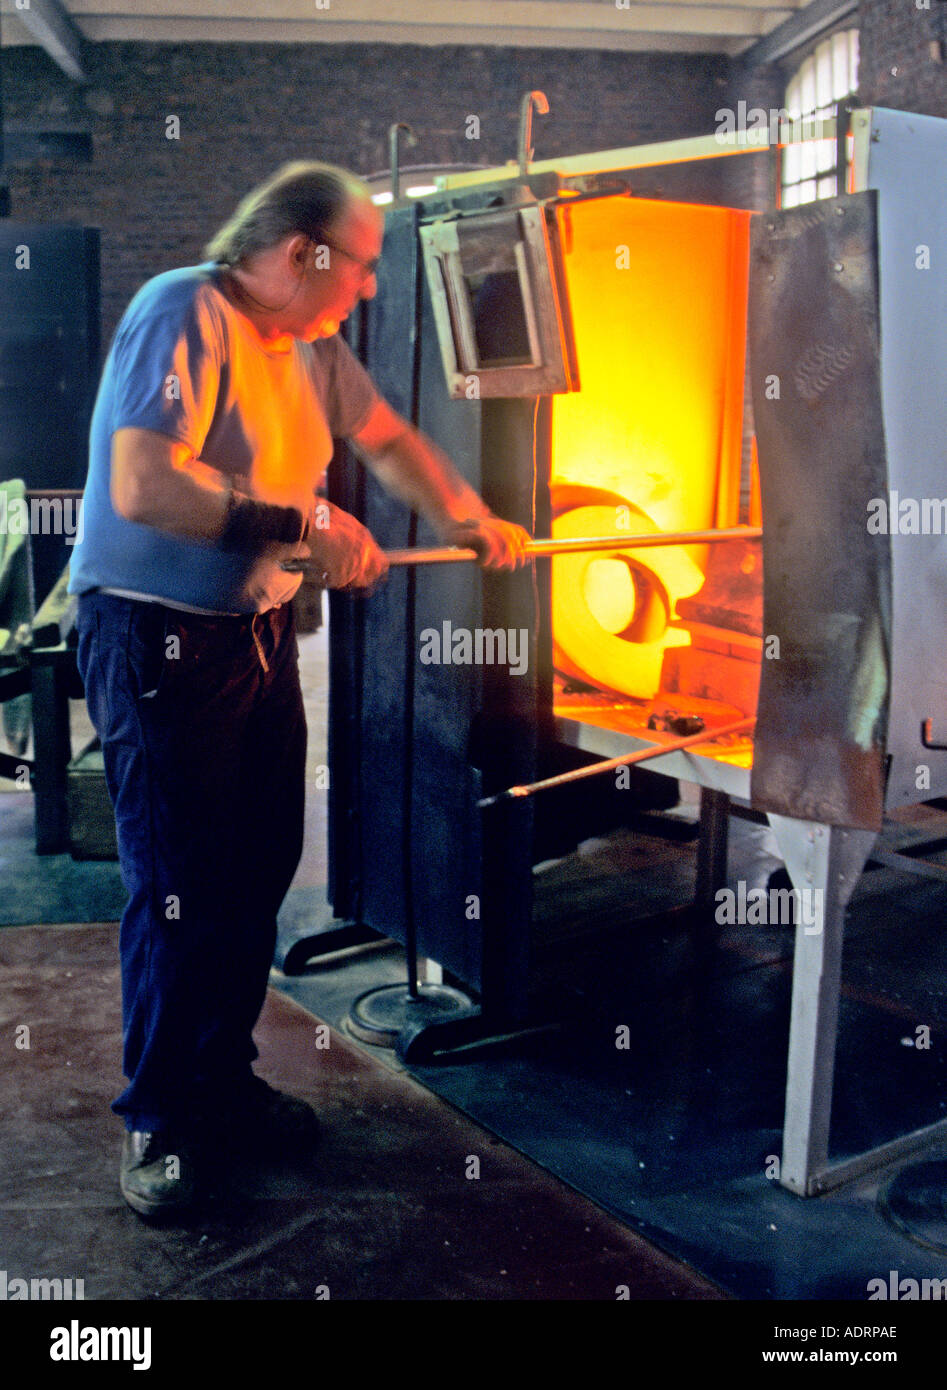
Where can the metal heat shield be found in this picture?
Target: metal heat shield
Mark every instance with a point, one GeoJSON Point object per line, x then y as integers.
{"type": "Point", "coordinates": [814, 352]}
{"type": "Point", "coordinates": [414, 742]}
{"type": "Point", "coordinates": [369, 644]}
{"type": "Point", "coordinates": [903, 157]}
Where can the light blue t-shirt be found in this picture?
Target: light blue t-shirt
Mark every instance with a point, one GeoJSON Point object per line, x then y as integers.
{"type": "Point", "coordinates": [185, 363]}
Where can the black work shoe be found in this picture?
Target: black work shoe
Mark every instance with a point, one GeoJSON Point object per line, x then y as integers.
{"type": "Point", "coordinates": [277, 1121]}
{"type": "Point", "coordinates": [157, 1175]}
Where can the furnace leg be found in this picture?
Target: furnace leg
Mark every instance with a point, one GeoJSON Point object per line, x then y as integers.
{"type": "Point", "coordinates": [824, 863]}
{"type": "Point", "coordinates": [712, 846]}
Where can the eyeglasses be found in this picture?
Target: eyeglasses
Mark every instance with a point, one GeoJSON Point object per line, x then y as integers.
{"type": "Point", "coordinates": [368, 268]}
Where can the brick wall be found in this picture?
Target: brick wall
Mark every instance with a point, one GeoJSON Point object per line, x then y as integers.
{"type": "Point", "coordinates": [743, 181]}
{"type": "Point", "coordinates": [896, 68]}
{"type": "Point", "coordinates": [244, 108]}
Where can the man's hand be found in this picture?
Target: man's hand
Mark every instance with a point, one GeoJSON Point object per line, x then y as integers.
{"type": "Point", "coordinates": [343, 554]}
{"type": "Point", "coordinates": [412, 467]}
{"type": "Point", "coordinates": [268, 584]}
{"type": "Point", "coordinates": [499, 544]}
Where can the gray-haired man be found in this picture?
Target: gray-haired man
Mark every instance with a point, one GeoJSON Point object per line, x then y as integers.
{"type": "Point", "coordinates": [223, 389]}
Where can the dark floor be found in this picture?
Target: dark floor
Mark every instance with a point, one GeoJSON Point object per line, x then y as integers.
{"type": "Point", "coordinates": [389, 1209]}
{"type": "Point", "coordinates": [675, 1134]}
{"type": "Point", "coordinates": [671, 1137]}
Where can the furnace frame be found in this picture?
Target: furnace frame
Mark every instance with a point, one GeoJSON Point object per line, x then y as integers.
{"type": "Point", "coordinates": [385, 794]}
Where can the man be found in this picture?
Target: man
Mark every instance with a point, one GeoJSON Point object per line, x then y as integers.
{"type": "Point", "coordinates": [223, 389]}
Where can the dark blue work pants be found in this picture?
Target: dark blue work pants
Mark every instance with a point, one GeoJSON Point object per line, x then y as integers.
{"type": "Point", "coordinates": [204, 737]}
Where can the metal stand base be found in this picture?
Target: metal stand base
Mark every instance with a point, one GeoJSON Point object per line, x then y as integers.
{"type": "Point", "coordinates": [915, 1202]}
{"type": "Point", "coordinates": [323, 943]}
{"type": "Point", "coordinates": [381, 1015]}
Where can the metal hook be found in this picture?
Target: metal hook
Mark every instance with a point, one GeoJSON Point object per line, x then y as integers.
{"type": "Point", "coordinates": [530, 100]}
{"type": "Point", "coordinates": [927, 737]}
{"type": "Point", "coordinates": [393, 148]}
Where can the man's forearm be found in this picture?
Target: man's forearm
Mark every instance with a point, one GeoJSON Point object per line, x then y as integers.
{"type": "Point", "coordinates": [413, 468]}
{"type": "Point", "coordinates": [156, 482]}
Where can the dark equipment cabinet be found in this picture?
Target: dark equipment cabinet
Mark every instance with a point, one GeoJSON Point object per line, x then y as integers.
{"type": "Point", "coordinates": [49, 361]}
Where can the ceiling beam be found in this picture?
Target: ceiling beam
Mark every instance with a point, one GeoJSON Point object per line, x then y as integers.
{"type": "Point", "coordinates": [641, 16]}
{"type": "Point", "coordinates": [182, 31]}
{"type": "Point", "coordinates": [51, 26]}
{"type": "Point", "coordinates": [726, 27]}
{"type": "Point", "coordinates": [798, 30]}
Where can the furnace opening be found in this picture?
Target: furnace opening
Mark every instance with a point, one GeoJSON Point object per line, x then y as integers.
{"type": "Point", "coordinates": [655, 441]}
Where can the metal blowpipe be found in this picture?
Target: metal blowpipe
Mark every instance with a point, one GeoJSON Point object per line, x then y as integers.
{"type": "Point", "coordinates": [449, 554]}
{"type": "Point", "coordinates": [642, 755]}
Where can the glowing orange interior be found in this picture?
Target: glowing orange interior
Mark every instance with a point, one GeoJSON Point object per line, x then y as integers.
{"type": "Point", "coordinates": [652, 440]}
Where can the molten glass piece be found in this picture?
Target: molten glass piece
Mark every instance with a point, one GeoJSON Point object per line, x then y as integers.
{"type": "Point", "coordinates": [611, 614]}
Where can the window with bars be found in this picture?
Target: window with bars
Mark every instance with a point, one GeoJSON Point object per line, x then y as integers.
{"type": "Point", "coordinates": [810, 167]}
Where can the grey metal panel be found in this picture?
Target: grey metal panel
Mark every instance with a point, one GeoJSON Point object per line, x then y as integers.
{"type": "Point", "coordinates": [907, 160]}
{"type": "Point", "coordinates": [474, 727]}
{"type": "Point", "coordinates": [819, 752]}
{"type": "Point", "coordinates": [445, 825]}
{"type": "Point", "coordinates": [369, 736]}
